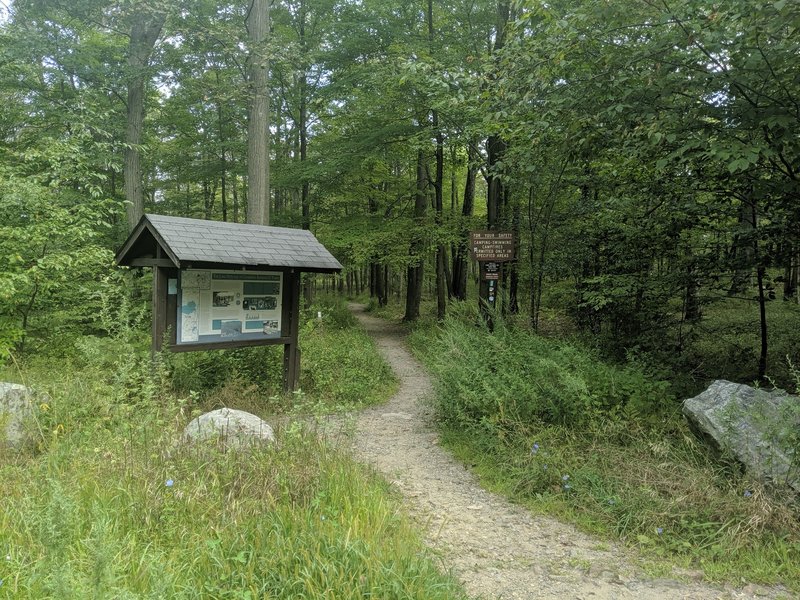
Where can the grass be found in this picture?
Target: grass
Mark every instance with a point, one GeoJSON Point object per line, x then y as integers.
{"type": "Point", "coordinates": [109, 504]}
{"type": "Point", "coordinates": [726, 343]}
{"type": "Point", "coordinates": [341, 369]}
{"type": "Point", "coordinates": [554, 428]}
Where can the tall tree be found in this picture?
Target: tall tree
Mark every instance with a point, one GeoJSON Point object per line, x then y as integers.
{"type": "Point", "coordinates": [145, 29]}
{"type": "Point", "coordinates": [415, 275]}
{"type": "Point", "coordinates": [257, 22]}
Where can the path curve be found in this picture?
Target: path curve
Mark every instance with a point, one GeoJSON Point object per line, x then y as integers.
{"type": "Point", "coordinates": [497, 549]}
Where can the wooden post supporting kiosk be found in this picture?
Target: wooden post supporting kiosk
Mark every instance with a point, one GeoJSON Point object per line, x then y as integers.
{"type": "Point", "coordinates": [226, 285]}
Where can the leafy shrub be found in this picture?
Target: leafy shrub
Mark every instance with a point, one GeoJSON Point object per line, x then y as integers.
{"type": "Point", "coordinates": [332, 311]}
{"type": "Point", "coordinates": [604, 446]}
{"type": "Point", "coordinates": [340, 364]}
{"type": "Point", "coordinates": [514, 379]}
{"type": "Point", "coordinates": [208, 370]}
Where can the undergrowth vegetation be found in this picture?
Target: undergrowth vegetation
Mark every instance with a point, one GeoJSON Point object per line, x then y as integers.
{"type": "Point", "coordinates": [340, 368]}
{"type": "Point", "coordinates": [110, 505]}
{"type": "Point", "coordinates": [553, 427]}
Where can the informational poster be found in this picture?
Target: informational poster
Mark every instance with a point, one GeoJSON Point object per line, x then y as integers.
{"type": "Point", "coordinates": [223, 306]}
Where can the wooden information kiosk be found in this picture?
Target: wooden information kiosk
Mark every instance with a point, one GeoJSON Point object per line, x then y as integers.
{"type": "Point", "coordinates": [226, 285]}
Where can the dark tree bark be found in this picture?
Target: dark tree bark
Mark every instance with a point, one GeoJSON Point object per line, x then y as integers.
{"type": "Point", "coordinates": [235, 194]}
{"type": "Point", "coordinates": [762, 301]}
{"type": "Point", "coordinates": [497, 193]}
{"type": "Point", "coordinates": [513, 286]}
{"type": "Point", "coordinates": [742, 251]}
{"type": "Point", "coordinates": [441, 255]}
{"type": "Point", "coordinates": [692, 301]}
{"type": "Point", "coordinates": [762, 312]}
{"type": "Point", "coordinates": [790, 272]}
{"type": "Point", "coordinates": [438, 183]}
{"type": "Point", "coordinates": [496, 146]}
{"type": "Point", "coordinates": [416, 270]}
{"type": "Point", "coordinates": [460, 264]}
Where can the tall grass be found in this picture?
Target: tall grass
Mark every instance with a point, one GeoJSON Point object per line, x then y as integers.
{"type": "Point", "coordinates": [110, 505]}
{"type": "Point", "coordinates": [555, 428]}
{"type": "Point", "coordinates": [341, 369]}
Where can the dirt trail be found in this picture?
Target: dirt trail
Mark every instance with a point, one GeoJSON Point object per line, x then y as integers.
{"type": "Point", "coordinates": [497, 549]}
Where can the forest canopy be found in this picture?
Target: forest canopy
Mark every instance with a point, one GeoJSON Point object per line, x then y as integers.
{"type": "Point", "coordinates": [645, 154]}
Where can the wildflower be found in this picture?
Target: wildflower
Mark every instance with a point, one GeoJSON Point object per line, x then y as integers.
{"type": "Point", "coordinates": [169, 483]}
{"type": "Point", "coordinates": [611, 502]}
{"type": "Point", "coordinates": [567, 486]}
{"type": "Point", "coordinates": [544, 467]}
{"type": "Point", "coordinates": [565, 478]}
{"type": "Point", "coordinates": [659, 530]}
{"type": "Point", "coordinates": [8, 557]}
{"type": "Point", "coordinates": [534, 448]}
{"type": "Point", "coordinates": [747, 493]}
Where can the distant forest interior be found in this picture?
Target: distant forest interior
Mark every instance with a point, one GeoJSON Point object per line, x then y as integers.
{"type": "Point", "coordinates": [645, 155]}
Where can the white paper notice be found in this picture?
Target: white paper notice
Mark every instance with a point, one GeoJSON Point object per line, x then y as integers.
{"type": "Point", "coordinates": [190, 331]}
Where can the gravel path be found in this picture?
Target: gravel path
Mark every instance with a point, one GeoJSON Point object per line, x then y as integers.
{"type": "Point", "coordinates": [497, 549]}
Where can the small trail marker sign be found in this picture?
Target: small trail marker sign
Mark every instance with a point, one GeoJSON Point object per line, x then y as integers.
{"type": "Point", "coordinates": [492, 246]}
{"type": "Point", "coordinates": [490, 271]}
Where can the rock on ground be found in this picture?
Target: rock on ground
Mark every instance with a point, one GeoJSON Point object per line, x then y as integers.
{"type": "Point", "coordinates": [17, 410]}
{"type": "Point", "coordinates": [752, 424]}
{"type": "Point", "coordinates": [232, 428]}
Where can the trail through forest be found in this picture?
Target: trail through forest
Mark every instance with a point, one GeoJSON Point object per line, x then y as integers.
{"type": "Point", "coordinates": [497, 550]}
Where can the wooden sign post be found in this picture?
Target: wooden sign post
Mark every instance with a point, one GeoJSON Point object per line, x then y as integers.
{"type": "Point", "coordinates": [491, 249]}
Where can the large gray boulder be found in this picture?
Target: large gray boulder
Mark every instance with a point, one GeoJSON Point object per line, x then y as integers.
{"type": "Point", "coordinates": [231, 428]}
{"type": "Point", "coordinates": [18, 406]}
{"type": "Point", "coordinates": [758, 427]}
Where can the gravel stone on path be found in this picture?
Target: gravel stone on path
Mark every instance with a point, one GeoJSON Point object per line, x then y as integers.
{"type": "Point", "coordinates": [496, 549]}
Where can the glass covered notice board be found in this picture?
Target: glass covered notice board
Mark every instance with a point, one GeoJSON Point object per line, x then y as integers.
{"type": "Point", "coordinates": [225, 306]}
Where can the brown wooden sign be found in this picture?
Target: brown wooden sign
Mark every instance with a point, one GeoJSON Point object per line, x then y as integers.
{"type": "Point", "coordinates": [494, 246]}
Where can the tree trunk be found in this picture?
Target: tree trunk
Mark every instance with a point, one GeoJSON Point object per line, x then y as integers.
{"type": "Point", "coordinates": [497, 194]}
{"type": "Point", "coordinates": [305, 205]}
{"type": "Point", "coordinates": [144, 33]}
{"type": "Point", "coordinates": [257, 23]}
{"type": "Point", "coordinates": [438, 183]}
{"type": "Point", "coordinates": [223, 166]}
{"type": "Point", "coordinates": [441, 279]}
{"type": "Point", "coordinates": [692, 302]}
{"type": "Point", "coordinates": [742, 251]}
{"type": "Point", "coordinates": [235, 198]}
{"type": "Point", "coordinates": [790, 272]}
{"type": "Point", "coordinates": [416, 272]}
{"type": "Point", "coordinates": [762, 301]}
{"type": "Point", "coordinates": [460, 264]}
{"type": "Point", "coordinates": [513, 288]}
{"type": "Point", "coordinates": [762, 311]}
